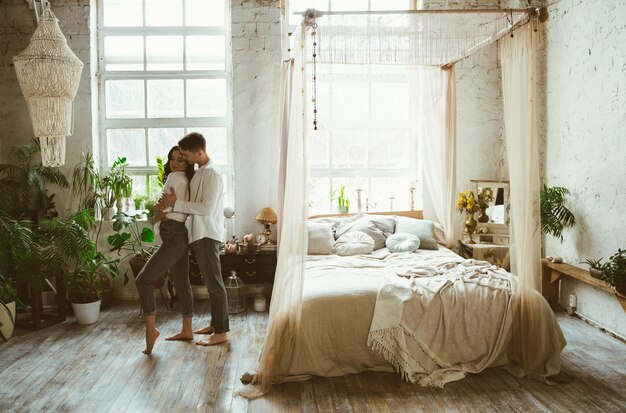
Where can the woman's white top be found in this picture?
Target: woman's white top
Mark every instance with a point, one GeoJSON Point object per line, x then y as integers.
{"type": "Point", "coordinates": [180, 183]}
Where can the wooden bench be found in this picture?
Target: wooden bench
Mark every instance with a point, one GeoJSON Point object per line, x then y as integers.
{"type": "Point", "coordinates": [552, 273]}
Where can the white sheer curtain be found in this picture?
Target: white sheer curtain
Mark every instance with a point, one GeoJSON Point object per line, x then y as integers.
{"type": "Point", "coordinates": [438, 120]}
{"type": "Point", "coordinates": [286, 80]}
{"type": "Point", "coordinates": [534, 321]}
{"type": "Point", "coordinates": [421, 38]}
{"type": "Point", "coordinates": [286, 305]}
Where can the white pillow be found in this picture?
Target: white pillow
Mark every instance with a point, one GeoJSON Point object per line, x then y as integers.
{"type": "Point", "coordinates": [321, 238]}
{"type": "Point", "coordinates": [377, 227]}
{"type": "Point", "coordinates": [423, 228]}
{"type": "Point", "coordinates": [402, 242]}
{"type": "Point", "coordinates": [353, 243]}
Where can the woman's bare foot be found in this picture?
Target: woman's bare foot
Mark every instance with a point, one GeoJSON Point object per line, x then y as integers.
{"type": "Point", "coordinates": [205, 330]}
{"type": "Point", "coordinates": [213, 340]}
{"type": "Point", "coordinates": [151, 337]}
{"type": "Point", "coordinates": [183, 335]}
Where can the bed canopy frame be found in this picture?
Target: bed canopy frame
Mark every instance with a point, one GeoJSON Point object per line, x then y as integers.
{"type": "Point", "coordinates": [435, 38]}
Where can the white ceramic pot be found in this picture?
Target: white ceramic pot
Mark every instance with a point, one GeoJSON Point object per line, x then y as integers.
{"type": "Point", "coordinates": [87, 313]}
{"type": "Point", "coordinates": [6, 325]}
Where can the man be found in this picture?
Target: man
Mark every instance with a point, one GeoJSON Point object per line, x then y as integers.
{"type": "Point", "coordinates": [206, 228]}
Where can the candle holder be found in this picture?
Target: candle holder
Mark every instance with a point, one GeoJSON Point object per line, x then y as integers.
{"type": "Point", "coordinates": [358, 199]}
{"type": "Point", "coordinates": [368, 205]}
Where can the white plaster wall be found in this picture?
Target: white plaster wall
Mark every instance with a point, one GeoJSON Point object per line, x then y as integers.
{"type": "Point", "coordinates": [582, 103]}
{"type": "Point", "coordinates": [17, 24]}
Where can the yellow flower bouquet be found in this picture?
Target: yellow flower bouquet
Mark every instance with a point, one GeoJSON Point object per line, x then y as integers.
{"type": "Point", "coordinates": [468, 203]}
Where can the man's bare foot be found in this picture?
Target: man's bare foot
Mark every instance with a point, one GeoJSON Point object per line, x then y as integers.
{"type": "Point", "coordinates": [183, 335]}
{"type": "Point", "coordinates": [213, 340]}
{"type": "Point", "coordinates": [205, 330]}
{"type": "Point", "coordinates": [151, 337]}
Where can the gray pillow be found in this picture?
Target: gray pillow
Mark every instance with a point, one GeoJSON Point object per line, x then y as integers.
{"type": "Point", "coordinates": [377, 227]}
{"type": "Point", "coordinates": [423, 228]}
{"type": "Point", "coordinates": [402, 242]}
{"type": "Point", "coordinates": [321, 238]}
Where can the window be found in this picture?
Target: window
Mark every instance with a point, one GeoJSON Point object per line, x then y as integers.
{"type": "Point", "coordinates": [367, 136]}
{"type": "Point", "coordinates": [165, 70]}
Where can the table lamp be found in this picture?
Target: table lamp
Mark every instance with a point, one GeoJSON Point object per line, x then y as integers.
{"type": "Point", "coordinates": [267, 216]}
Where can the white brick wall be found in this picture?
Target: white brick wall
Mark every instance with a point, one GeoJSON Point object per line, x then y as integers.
{"type": "Point", "coordinates": [256, 61]}
{"type": "Point", "coordinates": [582, 102]}
{"type": "Point", "coordinates": [17, 24]}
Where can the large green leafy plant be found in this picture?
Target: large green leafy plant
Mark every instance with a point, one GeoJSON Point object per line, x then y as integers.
{"type": "Point", "coordinates": [131, 239]}
{"type": "Point", "coordinates": [23, 191]}
{"type": "Point", "coordinates": [555, 217]}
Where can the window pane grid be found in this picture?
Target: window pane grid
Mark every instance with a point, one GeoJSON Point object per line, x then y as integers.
{"type": "Point", "coordinates": [154, 67]}
{"type": "Point", "coordinates": [365, 140]}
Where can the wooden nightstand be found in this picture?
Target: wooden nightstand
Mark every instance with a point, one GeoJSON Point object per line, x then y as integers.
{"type": "Point", "coordinates": [492, 253]}
{"type": "Point", "coordinates": [251, 267]}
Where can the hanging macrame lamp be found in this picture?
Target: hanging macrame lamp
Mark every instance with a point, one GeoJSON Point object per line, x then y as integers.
{"type": "Point", "coordinates": [49, 73]}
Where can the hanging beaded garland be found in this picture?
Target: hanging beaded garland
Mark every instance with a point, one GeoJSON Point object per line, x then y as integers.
{"type": "Point", "coordinates": [314, 100]}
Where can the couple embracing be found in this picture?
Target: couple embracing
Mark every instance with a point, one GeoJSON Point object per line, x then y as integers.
{"type": "Point", "coordinates": [188, 216]}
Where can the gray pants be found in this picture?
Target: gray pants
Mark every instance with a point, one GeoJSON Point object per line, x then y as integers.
{"type": "Point", "coordinates": [172, 255]}
{"type": "Point", "coordinates": [207, 252]}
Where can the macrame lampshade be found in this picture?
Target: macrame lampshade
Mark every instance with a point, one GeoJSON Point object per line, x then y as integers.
{"type": "Point", "coordinates": [49, 73]}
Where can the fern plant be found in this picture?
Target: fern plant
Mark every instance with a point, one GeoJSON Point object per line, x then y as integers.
{"type": "Point", "coordinates": [555, 217]}
{"type": "Point", "coordinates": [23, 184]}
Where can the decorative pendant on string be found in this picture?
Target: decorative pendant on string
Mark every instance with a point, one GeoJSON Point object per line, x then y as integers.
{"type": "Point", "coordinates": [49, 73]}
{"type": "Point", "coordinates": [314, 99]}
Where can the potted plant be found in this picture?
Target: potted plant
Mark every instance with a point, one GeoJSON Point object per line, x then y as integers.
{"type": "Point", "coordinates": [85, 285]}
{"type": "Point", "coordinates": [343, 203]}
{"type": "Point", "coordinates": [119, 183]}
{"type": "Point", "coordinates": [23, 192]}
{"type": "Point", "coordinates": [615, 271]}
{"type": "Point", "coordinates": [596, 267]}
{"type": "Point", "coordinates": [555, 217]}
{"type": "Point", "coordinates": [8, 302]}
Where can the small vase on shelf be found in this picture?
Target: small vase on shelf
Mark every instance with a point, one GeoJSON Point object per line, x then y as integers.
{"type": "Point", "coordinates": [470, 227]}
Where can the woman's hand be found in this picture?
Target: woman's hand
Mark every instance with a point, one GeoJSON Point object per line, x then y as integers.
{"type": "Point", "coordinates": [158, 215]}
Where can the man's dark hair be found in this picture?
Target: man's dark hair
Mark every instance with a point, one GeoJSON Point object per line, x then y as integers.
{"type": "Point", "coordinates": [192, 142]}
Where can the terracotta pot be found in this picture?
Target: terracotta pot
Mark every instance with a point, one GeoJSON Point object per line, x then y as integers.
{"type": "Point", "coordinates": [620, 286]}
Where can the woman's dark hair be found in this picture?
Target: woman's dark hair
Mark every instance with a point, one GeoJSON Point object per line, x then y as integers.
{"type": "Point", "coordinates": [167, 169]}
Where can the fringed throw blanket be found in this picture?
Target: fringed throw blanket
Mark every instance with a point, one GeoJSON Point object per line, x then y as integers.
{"type": "Point", "coordinates": [434, 330]}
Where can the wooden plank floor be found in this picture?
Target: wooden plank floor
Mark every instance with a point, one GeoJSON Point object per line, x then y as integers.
{"type": "Point", "coordinates": [100, 368]}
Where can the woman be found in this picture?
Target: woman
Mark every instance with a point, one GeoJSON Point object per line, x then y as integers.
{"type": "Point", "coordinates": [172, 255]}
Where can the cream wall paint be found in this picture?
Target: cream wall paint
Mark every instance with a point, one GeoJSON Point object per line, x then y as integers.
{"type": "Point", "coordinates": [582, 104]}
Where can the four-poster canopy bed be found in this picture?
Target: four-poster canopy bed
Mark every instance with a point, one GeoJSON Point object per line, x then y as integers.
{"type": "Point", "coordinates": [428, 314]}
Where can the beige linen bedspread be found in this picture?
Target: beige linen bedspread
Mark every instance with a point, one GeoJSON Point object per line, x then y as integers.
{"type": "Point", "coordinates": [339, 297]}
{"type": "Point", "coordinates": [339, 301]}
